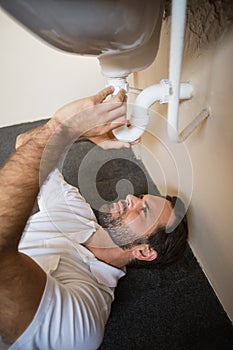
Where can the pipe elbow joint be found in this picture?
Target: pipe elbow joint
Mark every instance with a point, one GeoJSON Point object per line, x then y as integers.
{"type": "Point", "coordinates": [134, 131]}
{"type": "Point", "coordinates": [140, 115]}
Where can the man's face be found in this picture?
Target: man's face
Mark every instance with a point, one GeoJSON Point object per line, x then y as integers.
{"type": "Point", "coordinates": [134, 218]}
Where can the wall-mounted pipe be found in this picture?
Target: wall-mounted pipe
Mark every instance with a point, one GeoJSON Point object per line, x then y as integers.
{"type": "Point", "coordinates": [175, 63]}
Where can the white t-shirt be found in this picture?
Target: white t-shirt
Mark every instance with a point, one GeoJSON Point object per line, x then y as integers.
{"type": "Point", "coordinates": [80, 289]}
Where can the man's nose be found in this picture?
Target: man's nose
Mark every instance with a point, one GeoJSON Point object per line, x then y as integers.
{"type": "Point", "coordinates": [134, 202]}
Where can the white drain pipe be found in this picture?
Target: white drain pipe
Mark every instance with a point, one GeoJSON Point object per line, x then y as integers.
{"type": "Point", "coordinates": [140, 115]}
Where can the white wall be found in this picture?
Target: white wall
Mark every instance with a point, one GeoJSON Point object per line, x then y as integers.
{"type": "Point", "coordinates": [207, 176]}
{"type": "Point", "coordinates": [36, 79]}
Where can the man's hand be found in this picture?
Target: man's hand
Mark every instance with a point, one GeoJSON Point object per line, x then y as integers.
{"type": "Point", "coordinates": [92, 116]}
{"type": "Point", "coordinates": [89, 118]}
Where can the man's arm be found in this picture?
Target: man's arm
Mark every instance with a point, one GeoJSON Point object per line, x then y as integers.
{"type": "Point", "coordinates": [19, 184]}
{"type": "Point", "coordinates": [22, 281]}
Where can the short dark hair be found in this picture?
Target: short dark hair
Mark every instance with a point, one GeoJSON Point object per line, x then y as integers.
{"type": "Point", "coordinates": [169, 242]}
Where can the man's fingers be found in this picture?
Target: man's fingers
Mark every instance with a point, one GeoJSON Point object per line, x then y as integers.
{"type": "Point", "coordinates": [120, 97]}
{"type": "Point", "coordinates": [114, 144]}
{"type": "Point", "coordinates": [118, 114]}
{"type": "Point", "coordinates": [101, 96]}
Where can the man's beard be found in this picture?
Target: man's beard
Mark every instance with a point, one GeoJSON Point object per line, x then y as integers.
{"type": "Point", "coordinates": [120, 234]}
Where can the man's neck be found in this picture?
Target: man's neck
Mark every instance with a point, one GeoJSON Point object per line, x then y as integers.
{"type": "Point", "coordinates": [102, 246]}
{"type": "Point", "coordinates": [112, 256]}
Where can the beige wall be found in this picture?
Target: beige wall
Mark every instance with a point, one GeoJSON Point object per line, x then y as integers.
{"type": "Point", "coordinates": [36, 79]}
{"type": "Point", "coordinates": [207, 177]}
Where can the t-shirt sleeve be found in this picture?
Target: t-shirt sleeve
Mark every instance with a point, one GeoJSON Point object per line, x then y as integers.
{"type": "Point", "coordinates": [56, 193]}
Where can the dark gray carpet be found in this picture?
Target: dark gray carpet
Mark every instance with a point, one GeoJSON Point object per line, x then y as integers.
{"type": "Point", "coordinates": [170, 309]}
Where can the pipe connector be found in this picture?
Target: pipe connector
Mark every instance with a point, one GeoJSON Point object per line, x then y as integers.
{"type": "Point", "coordinates": [118, 84]}
{"type": "Point", "coordinates": [166, 88]}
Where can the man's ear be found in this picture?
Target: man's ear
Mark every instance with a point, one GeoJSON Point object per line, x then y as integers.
{"type": "Point", "coordinates": [143, 252]}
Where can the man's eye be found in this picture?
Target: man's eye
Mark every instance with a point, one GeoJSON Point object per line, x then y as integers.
{"type": "Point", "coordinates": [144, 211]}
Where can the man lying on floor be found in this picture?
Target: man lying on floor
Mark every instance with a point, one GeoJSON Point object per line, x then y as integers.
{"type": "Point", "coordinates": [59, 268]}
